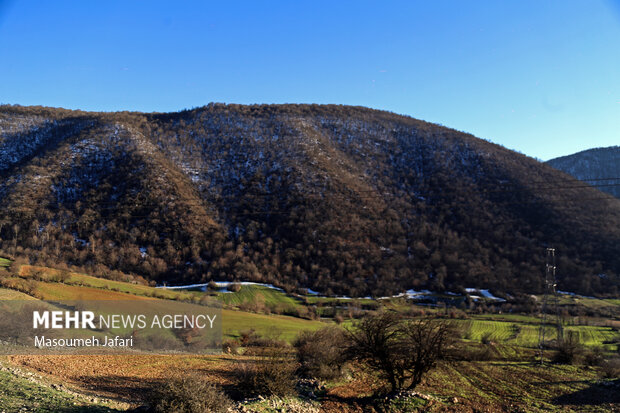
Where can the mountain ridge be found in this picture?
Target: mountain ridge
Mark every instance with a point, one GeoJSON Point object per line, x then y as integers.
{"type": "Point", "coordinates": [339, 199]}
{"type": "Point", "coordinates": [597, 166]}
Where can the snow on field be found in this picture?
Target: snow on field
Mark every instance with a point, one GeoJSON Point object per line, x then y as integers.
{"type": "Point", "coordinates": [219, 284]}
{"type": "Point", "coordinates": [484, 293]}
{"type": "Point", "coordinates": [409, 294]}
{"type": "Point", "coordinates": [575, 294]}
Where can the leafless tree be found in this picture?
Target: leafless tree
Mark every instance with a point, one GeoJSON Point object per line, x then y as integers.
{"type": "Point", "coordinates": [401, 351]}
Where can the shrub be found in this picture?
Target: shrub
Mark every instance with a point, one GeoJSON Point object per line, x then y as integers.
{"type": "Point", "coordinates": [234, 287]}
{"type": "Point", "coordinates": [16, 265]}
{"type": "Point", "coordinates": [594, 357]}
{"type": "Point", "coordinates": [320, 353]}
{"type": "Point", "coordinates": [273, 375]}
{"type": "Point", "coordinates": [474, 352]}
{"type": "Point", "coordinates": [189, 394]}
{"type": "Point", "coordinates": [487, 338]}
{"type": "Point", "coordinates": [610, 369]}
{"type": "Point", "coordinates": [250, 338]}
{"type": "Point", "coordinates": [230, 347]}
{"type": "Point", "coordinates": [19, 284]}
{"type": "Point", "coordinates": [309, 313]}
{"type": "Point", "coordinates": [400, 351]}
{"type": "Point", "coordinates": [569, 349]}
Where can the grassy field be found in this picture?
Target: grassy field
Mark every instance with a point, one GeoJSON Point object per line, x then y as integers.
{"type": "Point", "coordinates": [58, 291]}
{"type": "Point", "coordinates": [6, 294]}
{"type": "Point", "coordinates": [234, 321]}
{"type": "Point", "coordinates": [512, 329]}
{"type": "Point", "coordinates": [78, 279]}
{"type": "Point", "coordinates": [259, 294]}
{"type": "Point", "coordinates": [18, 394]}
{"type": "Point", "coordinates": [313, 299]}
{"type": "Point", "coordinates": [525, 334]}
{"type": "Point", "coordinates": [284, 327]}
{"type": "Point", "coordinates": [517, 386]}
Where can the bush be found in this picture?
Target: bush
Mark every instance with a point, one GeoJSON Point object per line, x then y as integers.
{"type": "Point", "coordinates": [320, 353]}
{"type": "Point", "coordinates": [230, 347]}
{"type": "Point", "coordinates": [234, 287]}
{"type": "Point", "coordinates": [610, 369]}
{"type": "Point", "coordinates": [16, 265]}
{"type": "Point", "coordinates": [250, 338]}
{"type": "Point", "coordinates": [400, 351]}
{"type": "Point", "coordinates": [478, 352]}
{"type": "Point", "coordinates": [487, 338]}
{"type": "Point", "coordinates": [189, 394]}
{"type": "Point", "coordinates": [594, 357]}
{"type": "Point", "coordinates": [569, 349]}
{"type": "Point", "coordinates": [19, 284]}
{"type": "Point", "coordinates": [274, 375]}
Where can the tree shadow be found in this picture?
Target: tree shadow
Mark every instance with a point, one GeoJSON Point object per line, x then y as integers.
{"type": "Point", "coordinates": [595, 394]}
{"type": "Point", "coordinates": [40, 142]}
{"type": "Point", "coordinates": [123, 388]}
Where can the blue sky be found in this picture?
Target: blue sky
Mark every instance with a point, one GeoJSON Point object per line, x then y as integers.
{"type": "Point", "coordinates": [541, 77]}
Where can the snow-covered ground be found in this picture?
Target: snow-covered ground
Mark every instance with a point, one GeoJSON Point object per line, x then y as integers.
{"type": "Point", "coordinates": [484, 293]}
{"type": "Point", "coordinates": [575, 294]}
{"type": "Point", "coordinates": [220, 285]}
{"type": "Point", "coordinates": [474, 293]}
{"type": "Point", "coordinates": [410, 294]}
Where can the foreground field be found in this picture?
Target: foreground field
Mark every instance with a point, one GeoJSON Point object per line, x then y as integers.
{"type": "Point", "coordinates": [23, 393]}
{"type": "Point", "coordinates": [498, 387]}
{"type": "Point", "coordinates": [459, 386]}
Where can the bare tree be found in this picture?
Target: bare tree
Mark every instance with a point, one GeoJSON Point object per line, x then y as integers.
{"type": "Point", "coordinates": [401, 351]}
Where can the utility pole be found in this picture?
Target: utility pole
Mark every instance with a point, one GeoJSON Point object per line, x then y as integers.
{"type": "Point", "coordinates": [550, 288]}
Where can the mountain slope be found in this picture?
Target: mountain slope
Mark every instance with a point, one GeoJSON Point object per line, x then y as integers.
{"type": "Point", "coordinates": [599, 167]}
{"type": "Point", "coordinates": [343, 200]}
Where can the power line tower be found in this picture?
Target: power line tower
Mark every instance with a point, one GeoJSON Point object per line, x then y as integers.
{"type": "Point", "coordinates": [550, 290]}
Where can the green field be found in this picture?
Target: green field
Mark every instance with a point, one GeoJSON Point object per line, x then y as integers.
{"type": "Point", "coordinates": [277, 326]}
{"type": "Point", "coordinates": [259, 294]}
{"type": "Point", "coordinates": [517, 387]}
{"type": "Point", "coordinates": [85, 287]}
{"type": "Point", "coordinates": [526, 334]}
{"type": "Point", "coordinates": [78, 279]}
{"type": "Point", "coordinates": [253, 304]}
{"type": "Point", "coordinates": [18, 394]}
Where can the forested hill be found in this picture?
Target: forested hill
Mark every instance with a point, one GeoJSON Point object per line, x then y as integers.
{"type": "Point", "coordinates": [599, 167]}
{"type": "Point", "coordinates": [343, 200]}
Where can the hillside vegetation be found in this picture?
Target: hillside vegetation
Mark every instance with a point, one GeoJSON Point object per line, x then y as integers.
{"type": "Point", "coordinates": [342, 200]}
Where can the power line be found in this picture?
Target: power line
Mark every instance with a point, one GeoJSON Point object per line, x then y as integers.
{"type": "Point", "coordinates": [550, 289]}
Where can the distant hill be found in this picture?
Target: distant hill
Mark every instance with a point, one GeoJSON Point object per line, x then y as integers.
{"type": "Point", "coordinates": [342, 200]}
{"type": "Point", "coordinates": [596, 166]}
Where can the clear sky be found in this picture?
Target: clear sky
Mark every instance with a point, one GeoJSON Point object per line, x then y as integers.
{"type": "Point", "coordinates": [541, 77]}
